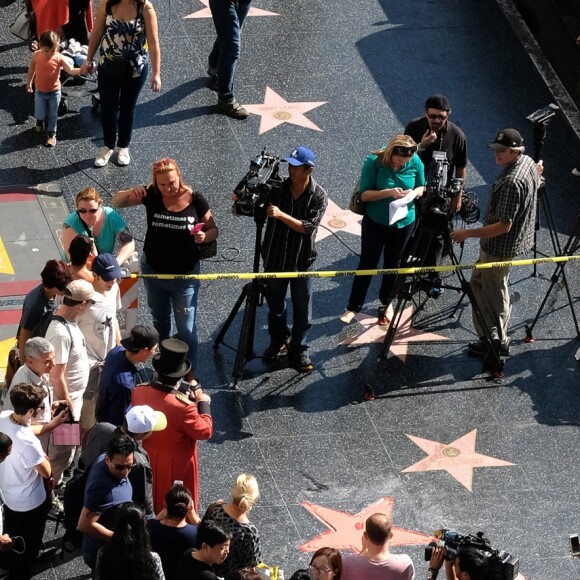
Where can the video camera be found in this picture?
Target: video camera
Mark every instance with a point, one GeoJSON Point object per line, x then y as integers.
{"type": "Point", "coordinates": [438, 192]}
{"type": "Point", "coordinates": [253, 190]}
{"type": "Point", "coordinates": [500, 564]}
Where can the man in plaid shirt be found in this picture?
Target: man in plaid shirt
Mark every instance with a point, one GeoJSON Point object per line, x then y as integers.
{"type": "Point", "coordinates": [507, 231]}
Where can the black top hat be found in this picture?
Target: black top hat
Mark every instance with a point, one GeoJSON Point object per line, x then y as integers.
{"type": "Point", "coordinates": [171, 360]}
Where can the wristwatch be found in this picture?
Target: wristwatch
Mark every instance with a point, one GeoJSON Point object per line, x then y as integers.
{"type": "Point", "coordinates": [420, 148]}
{"type": "Point", "coordinates": [432, 573]}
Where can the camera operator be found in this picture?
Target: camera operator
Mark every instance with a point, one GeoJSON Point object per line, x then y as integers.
{"type": "Point", "coordinates": [435, 132]}
{"type": "Point", "coordinates": [294, 211]}
{"type": "Point", "coordinates": [469, 564]}
{"type": "Point", "coordinates": [507, 231]}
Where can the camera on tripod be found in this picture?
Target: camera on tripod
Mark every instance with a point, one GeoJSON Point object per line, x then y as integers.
{"type": "Point", "coordinates": [500, 564]}
{"type": "Point", "coordinates": [438, 192]}
{"type": "Point", "coordinates": [255, 187]}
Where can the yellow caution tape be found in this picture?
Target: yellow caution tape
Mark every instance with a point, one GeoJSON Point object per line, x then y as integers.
{"type": "Point", "coordinates": [338, 273]}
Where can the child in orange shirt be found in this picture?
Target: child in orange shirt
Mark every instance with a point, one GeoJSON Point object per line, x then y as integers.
{"type": "Point", "coordinates": [45, 70]}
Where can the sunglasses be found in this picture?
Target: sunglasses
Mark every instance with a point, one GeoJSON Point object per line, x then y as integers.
{"type": "Point", "coordinates": [91, 211]}
{"type": "Point", "coordinates": [405, 151]}
{"type": "Point", "coordinates": [123, 467]}
{"type": "Point", "coordinates": [434, 116]}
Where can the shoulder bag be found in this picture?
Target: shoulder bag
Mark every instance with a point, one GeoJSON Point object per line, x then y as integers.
{"type": "Point", "coordinates": [356, 205]}
{"type": "Point", "coordinates": [209, 249]}
{"type": "Point", "coordinates": [22, 25]}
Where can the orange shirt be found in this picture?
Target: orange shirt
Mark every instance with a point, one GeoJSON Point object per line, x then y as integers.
{"type": "Point", "coordinates": [47, 72]}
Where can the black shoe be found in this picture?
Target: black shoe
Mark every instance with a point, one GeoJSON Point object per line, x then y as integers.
{"type": "Point", "coordinates": [275, 351]}
{"type": "Point", "coordinates": [46, 553]}
{"type": "Point", "coordinates": [39, 127]}
{"type": "Point", "coordinates": [301, 362]}
{"type": "Point", "coordinates": [232, 109]}
{"type": "Point", "coordinates": [481, 347]}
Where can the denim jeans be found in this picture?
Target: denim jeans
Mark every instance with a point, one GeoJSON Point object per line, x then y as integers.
{"type": "Point", "coordinates": [179, 297]}
{"type": "Point", "coordinates": [228, 19]}
{"type": "Point", "coordinates": [377, 239]}
{"type": "Point", "coordinates": [118, 102]}
{"type": "Point", "coordinates": [46, 108]}
{"type": "Point", "coordinates": [301, 294]}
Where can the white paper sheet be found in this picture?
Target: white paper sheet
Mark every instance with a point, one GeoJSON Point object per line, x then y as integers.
{"type": "Point", "coordinates": [398, 207]}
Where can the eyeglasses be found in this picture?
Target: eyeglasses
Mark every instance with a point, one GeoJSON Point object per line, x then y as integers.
{"type": "Point", "coordinates": [315, 569]}
{"type": "Point", "coordinates": [405, 151]}
{"type": "Point", "coordinates": [434, 116]}
{"type": "Point", "coordinates": [123, 466]}
{"type": "Point", "coordinates": [91, 211]}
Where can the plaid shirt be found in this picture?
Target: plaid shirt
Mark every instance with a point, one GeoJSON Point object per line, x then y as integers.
{"type": "Point", "coordinates": [513, 200]}
{"type": "Point", "coordinates": [284, 249]}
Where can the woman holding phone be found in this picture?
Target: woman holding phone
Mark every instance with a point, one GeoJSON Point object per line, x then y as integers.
{"type": "Point", "coordinates": [178, 219]}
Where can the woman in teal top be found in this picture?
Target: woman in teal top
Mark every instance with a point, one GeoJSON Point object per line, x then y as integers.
{"type": "Point", "coordinates": [387, 174]}
{"type": "Point", "coordinates": [103, 224]}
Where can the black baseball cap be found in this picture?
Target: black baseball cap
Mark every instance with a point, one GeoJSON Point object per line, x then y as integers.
{"type": "Point", "coordinates": [141, 337]}
{"type": "Point", "coordinates": [506, 139]}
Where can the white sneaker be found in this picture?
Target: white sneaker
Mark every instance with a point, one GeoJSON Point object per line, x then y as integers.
{"type": "Point", "coordinates": [103, 157]}
{"type": "Point", "coordinates": [348, 316]}
{"type": "Point", "coordinates": [123, 157]}
{"type": "Point", "coordinates": [576, 171]}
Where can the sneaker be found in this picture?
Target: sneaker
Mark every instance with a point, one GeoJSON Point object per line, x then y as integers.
{"type": "Point", "coordinates": [103, 156]}
{"type": "Point", "coordinates": [39, 127]}
{"type": "Point", "coordinates": [123, 157]}
{"type": "Point", "coordinates": [301, 362]}
{"type": "Point", "coordinates": [51, 140]}
{"type": "Point", "coordinates": [576, 171]}
{"type": "Point", "coordinates": [348, 316]}
{"type": "Point", "coordinates": [232, 109]}
{"type": "Point", "coordinates": [275, 351]}
{"type": "Point", "coordinates": [385, 315]}
{"type": "Point", "coordinates": [57, 505]}
{"type": "Point", "coordinates": [481, 347]}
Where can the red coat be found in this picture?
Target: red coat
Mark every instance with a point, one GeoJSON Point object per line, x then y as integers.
{"type": "Point", "coordinates": [173, 451]}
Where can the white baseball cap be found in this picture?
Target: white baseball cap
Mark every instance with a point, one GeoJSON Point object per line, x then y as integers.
{"type": "Point", "coordinates": [142, 419]}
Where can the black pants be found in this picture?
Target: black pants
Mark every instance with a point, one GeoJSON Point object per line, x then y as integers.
{"type": "Point", "coordinates": [377, 239]}
{"type": "Point", "coordinates": [30, 526]}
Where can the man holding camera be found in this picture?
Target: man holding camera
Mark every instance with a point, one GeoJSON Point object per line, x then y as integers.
{"type": "Point", "coordinates": [468, 564]}
{"type": "Point", "coordinates": [435, 132]}
{"type": "Point", "coordinates": [507, 231]}
{"type": "Point", "coordinates": [294, 212]}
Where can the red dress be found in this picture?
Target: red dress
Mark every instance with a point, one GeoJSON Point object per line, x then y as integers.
{"type": "Point", "coordinates": [173, 451]}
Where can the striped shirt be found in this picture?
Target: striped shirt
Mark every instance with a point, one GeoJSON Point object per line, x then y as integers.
{"type": "Point", "coordinates": [284, 249]}
{"type": "Point", "coordinates": [513, 200]}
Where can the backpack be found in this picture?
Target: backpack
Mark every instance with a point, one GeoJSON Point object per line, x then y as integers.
{"type": "Point", "coordinates": [73, 501]}
{"type": "Point", "coordinates": [41, 327]}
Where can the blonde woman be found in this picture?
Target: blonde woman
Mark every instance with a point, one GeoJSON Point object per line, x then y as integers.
{"type": "Point", "coordinates": [245, 550]}
{"type": "Point", "coordinates": [102, 224]}
{"type": "Point", "coordinates": [387, 174]}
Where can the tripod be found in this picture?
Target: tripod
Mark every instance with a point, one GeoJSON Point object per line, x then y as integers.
{"type": "Point", "coordinates": [251, 294]}
{"type": "Point", "coordinates": [405, 288]}
{"type": "Point", "coordinates": [571, 247]}
{"type": "Point", "coordinates": [540, 131]}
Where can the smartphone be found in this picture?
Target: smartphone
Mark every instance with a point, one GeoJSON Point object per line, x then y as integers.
{"type": "Point", "coordinates": [574, 544]}
{"type": "Point", "coordinates": [197, 228]}
{"type": "Point", "coordinates": [179, 482]}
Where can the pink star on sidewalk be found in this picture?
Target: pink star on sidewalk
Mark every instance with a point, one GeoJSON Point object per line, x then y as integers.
{"type": "Point", "coordinates": [458, 458]}
{"type": "Point", "coordinates": [276, 110]}
{"type": "Point", "coordinates": [205, 12]}
{"type": "Point", "coordinates": [404, 336]}
{"type": "Point", "coordinates": [345, 530]}
{"type": "Point", "coordinates": [336, 219]}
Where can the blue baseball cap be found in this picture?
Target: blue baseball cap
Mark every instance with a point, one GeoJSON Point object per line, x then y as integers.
{"type": "Point", "coordinates": [301, 156]}
{"type": "Point", "coordinates": [107, 267]}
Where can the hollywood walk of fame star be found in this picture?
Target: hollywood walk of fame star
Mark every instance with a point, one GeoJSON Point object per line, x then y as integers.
{"type": "Point", "coordinates": [458, 458]}
{"type": "Point", "coordinates": [205, 12]}
{"type": "Point", "coordinates": [345, 530]}
{"type": "Point", "coordinates": [405, 334]}
{"type": "Point", "coordinates": [337, 219]}
{"type": "Point", "coordinates": [276, 110]}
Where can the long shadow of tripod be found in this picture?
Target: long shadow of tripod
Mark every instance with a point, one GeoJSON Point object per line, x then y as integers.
{"type": "Point", "coordinates": [432, 224]}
